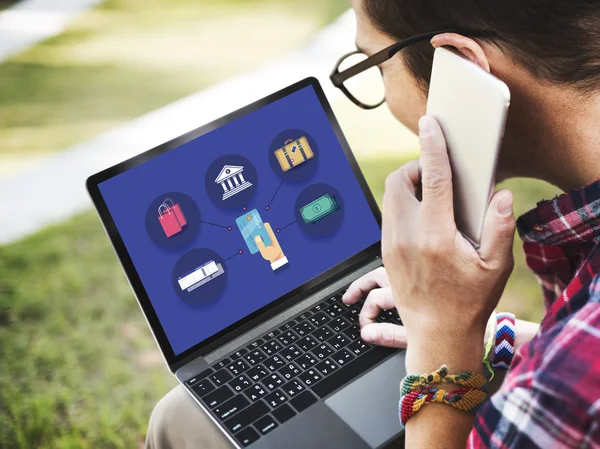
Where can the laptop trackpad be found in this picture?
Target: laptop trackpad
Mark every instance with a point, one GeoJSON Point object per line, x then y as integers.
{"type": "Point", "coordinates": [369, 405]}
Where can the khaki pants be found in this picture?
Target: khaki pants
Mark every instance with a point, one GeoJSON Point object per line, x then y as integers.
{"type": "Point", "coordinates": [178, 422]}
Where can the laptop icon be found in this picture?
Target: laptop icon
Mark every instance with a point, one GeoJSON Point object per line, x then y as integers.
{"type": "Point", "coordinates": [267, 349]}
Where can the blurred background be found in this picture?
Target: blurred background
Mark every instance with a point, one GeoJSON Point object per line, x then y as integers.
{"type": "Point", "coordinates": [87, 83]}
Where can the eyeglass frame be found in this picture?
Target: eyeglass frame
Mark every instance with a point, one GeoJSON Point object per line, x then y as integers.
{"type": "Point", "coordinates": [339, 78]}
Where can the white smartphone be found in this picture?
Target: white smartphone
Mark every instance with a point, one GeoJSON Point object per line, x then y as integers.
{"type": "Point", "coordinates": [471, 106]}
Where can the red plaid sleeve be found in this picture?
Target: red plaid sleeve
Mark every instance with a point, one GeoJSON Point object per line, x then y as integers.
{"type": "Point", "coordinates": [550, 397]}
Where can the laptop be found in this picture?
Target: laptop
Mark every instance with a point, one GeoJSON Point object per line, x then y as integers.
{"type": "Point", "coordinates": [239, 239]}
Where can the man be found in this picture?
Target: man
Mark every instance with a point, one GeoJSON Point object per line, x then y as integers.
{"type": "Point", "coordinates": [548, 53]}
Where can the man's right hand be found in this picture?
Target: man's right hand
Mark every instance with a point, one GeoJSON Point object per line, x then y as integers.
{"type": "Point", "coordinates": [375, 287]}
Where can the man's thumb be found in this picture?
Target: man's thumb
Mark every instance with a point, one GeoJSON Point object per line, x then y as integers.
{"type": "Point", "coordinates": [498, 229]}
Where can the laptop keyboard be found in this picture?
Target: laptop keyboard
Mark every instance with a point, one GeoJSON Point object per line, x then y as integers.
{"type": "Point", "coordinates": [256, 389]}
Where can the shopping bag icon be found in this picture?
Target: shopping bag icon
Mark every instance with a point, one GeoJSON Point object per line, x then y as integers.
{"type": "Point", "coordinates": [171, 217]}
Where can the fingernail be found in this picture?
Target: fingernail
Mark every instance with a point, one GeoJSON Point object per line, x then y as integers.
{"type": "Point", "coordinates": [368, 333]}
{"type": "Point", "coordinates": [505, 206]}
{"type": "Point", "coordinates": [424, 126]}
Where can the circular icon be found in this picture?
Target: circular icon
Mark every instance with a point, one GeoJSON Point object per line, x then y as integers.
{"type": "Point", "coordinates": [293, 155]}
{"type": "Point", "coordinates": [172, 220]}
{"type": "Point", "coordinates": [199, 276]}
{"type": "Point", "coordinates": [231, 181]}
{"type": "Point", "coordinates": [319, 210]}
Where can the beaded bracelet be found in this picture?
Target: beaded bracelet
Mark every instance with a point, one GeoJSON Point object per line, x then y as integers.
{"type": "Point", "coordinates": [413, 382]}
{"type": "Point", "coordinates": [466, 399]}
{"type": "Point", "coordinates": [416, 391]}
{"type": "Point", "coordinates": [504, 349]}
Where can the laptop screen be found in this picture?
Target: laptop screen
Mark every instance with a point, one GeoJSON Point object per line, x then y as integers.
{"type": "Point", "coordinates": [229, 222]}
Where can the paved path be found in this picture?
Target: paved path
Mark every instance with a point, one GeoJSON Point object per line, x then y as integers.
{"type": "Point", "coordinates": [31, 21]}
{"type": "Point", "coordinates": [53, 189]}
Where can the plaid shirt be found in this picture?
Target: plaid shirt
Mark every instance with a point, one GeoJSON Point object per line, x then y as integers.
{"type": "Point", "coordinates": [550, 397]}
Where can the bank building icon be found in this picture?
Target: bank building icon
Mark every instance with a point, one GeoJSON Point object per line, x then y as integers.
{"type": "Point", "coordinates": [232, 180]}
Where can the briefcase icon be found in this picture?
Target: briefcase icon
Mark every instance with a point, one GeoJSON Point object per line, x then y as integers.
{"type": "Point", "coordinates": [294, 153]}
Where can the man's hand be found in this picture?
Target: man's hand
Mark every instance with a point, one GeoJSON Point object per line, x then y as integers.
{"type": "Point", "coordinates": [444, 289]}
{"type": "Point", "coordinates": [375, 287]}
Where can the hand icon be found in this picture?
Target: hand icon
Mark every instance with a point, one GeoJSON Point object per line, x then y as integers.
{"type": "Point", "coordinates": [273, 252]}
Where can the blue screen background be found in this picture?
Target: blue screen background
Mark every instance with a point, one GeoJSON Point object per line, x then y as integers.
{"type": "Point", "coordinates": [252, 283]}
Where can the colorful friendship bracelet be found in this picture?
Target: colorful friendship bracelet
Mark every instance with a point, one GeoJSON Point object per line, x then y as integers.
{"type": "Point", "coordinates": [466, 399]}
{"type": "Point", "coordinates": [504, 349]}
{"type": "Point", "coordinates": [414, 382]}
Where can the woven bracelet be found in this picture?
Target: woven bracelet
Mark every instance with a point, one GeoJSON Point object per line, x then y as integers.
{"type": "Point", "coordinates": [504, 349]}
{"type": "Point", "coordinates": [414, 382]}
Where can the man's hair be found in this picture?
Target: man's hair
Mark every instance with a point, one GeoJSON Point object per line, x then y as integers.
{"type": "Point", "coordinates": [556, 40]}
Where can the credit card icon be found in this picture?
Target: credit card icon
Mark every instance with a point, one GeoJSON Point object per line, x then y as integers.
{"type": "Point", "coordinates": [251, 225]}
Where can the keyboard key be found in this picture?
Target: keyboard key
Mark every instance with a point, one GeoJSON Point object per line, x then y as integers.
{"type": "Point", "coordinates": [276, 398]}
{"type": "Point", "coordinates": [331, 300]}
{"type": "Point", "coordinates": [310, 377]}
{"type": "Point", "coordinates": [352, 315]}
{"type": "Point", "coordinates": [304, 328]}
{"type": "Point", "coordinates": [271, 335]}
{"type": "Point", "coordinates": [359, 347]}
{"type": "Point", "coordinates": [342, 357]}
{"type": "Point", "coordinates": [307, 343]}
{"type": "Point", "coordinates": [306, 361]}
{"type": "Point", "coordinates": [290, 371]}
{"type": "Point", "coordinates": [287, 338]}
{"type": "Point", "coordinates": [290, 353]}
{"type": "Point", "coordinates": [231, 407]}
{"type": "Point", "coordinates": [352, 332]}
{"type": "Point", "coordinates": [257, 373]}
{"type": "Point", "coordinates": [221, 377]}
{"type": "Point", "coordinates": [273, 381]}
{"type": "Point", "coordinates": [271, 348]}
{"type": "Point", "coordinates": [238, 354]}
{"type": "Point", "coordinates": [265, 425]}
{"type": "Point", "coordinates": [240, 383]}
{"type": "Point", "coordinates": [319, 319]}
{"type": "Point", "coordinates": [323, 351]}
{"type": "Point", "coordinates": [323, 333]}
{"type": "Point", "coordinates": [218, 396]}
{"type": "Point", "coordinates": [293, 388]}
{"type": "Point", "coordinates": [238, 367]}
{"type": "Point", "coordinates": [345, 374]}
{"type": "Point", "coordinates": [287, 326]}
{"type": "Point", "coordinates": [338, 342]}
{"type": "Point", "coordinates": [255, 357]}
{"type": "Point", "coordinates": [303, 317]}
{"type": "Point", "coordinates": [339, 324]}
{"type": "Point", "coordinates": [255, 344]}
{"type": "Point", "coordinates": [203, 387]}
{"type": "Point", "coordinates": [247, 436]}
{"type": "Point", "coordinates": [200, 376]}
{"type": "Point", "coordinates": [326, 367]}
{"type": "Point", "coordinates": [274, 363]}
{"type": "Point", "coordinates": [334, 310]}
{"type": "Point", "coordinates": [318, 307]}
{"type": "Point", "coordinates": [255, 392]}
{"type": "Point", "coordinates": [303, 401]}
{"type": "Point", "coordinates": [283, 413]}
{"type": "Point", "coordinates": [222, 364]}
{"type": "Point", "coordinates": [246, 416]}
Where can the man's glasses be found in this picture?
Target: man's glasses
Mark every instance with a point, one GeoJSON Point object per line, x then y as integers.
{"type": "Point", "coordinates": [360, 77]}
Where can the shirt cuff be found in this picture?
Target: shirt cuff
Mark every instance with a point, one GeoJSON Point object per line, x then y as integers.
{"type": "Point", "coordinates": [279, 263]}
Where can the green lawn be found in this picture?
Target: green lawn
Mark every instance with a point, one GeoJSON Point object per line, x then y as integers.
{"type": "Point", "coordinates": [79, 364]}
{"type": "Point", "coordinates": [128, 57]}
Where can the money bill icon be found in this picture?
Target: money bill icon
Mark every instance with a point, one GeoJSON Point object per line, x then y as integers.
{"type": "Point", "coordinates": [319, 208]}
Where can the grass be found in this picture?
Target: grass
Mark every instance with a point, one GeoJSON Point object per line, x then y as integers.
{"type": "Point", "coordinates": [128, 57]}
{"type": "Point", "coordinates": [79, 364]}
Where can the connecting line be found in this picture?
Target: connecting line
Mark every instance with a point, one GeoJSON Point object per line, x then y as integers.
{"type": "Point", "coordinates": [287, 225]}
{"type": "Point", "coordinates": [274, 195]}
{"type": "Point", "coordinates": [236, 254]}
{"type": "Point", "coordinates": [217, 225]}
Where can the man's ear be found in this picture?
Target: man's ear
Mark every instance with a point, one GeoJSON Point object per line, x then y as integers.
{"type": "Point", "coordinates": [465, 45]}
